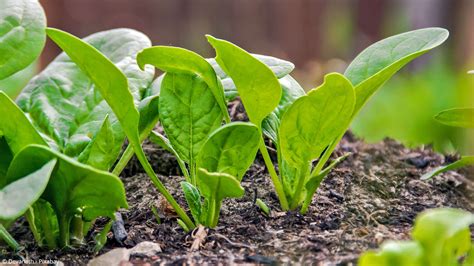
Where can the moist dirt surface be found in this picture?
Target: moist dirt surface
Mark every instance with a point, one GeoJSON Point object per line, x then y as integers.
{"type": "Point", "coordinates": [372, 196]}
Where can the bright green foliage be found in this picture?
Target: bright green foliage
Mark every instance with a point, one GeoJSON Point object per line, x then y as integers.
{"type": "Point", "coordinates": [18, 195]}
{"type": "Point", "coordinates": [192, 103]}
{"type": "Point", "coordinates": [214, 188]}
{"type": "Point", "coordinates": [188, 114]}
{"type": "Point", "coordinates": [307, 128]}
{"type": "Point", "coordinates": [222, 163]}
{"type": "Point", "coordinates": [259, 90]}
{"type": "Point", "coordinates": [181, 61]}
{"type": "Point", "coordinates": [394, 253]}
{"type": "Point", "coordinates": [191, 115]}
{"type": "Point", "coordinates": [280, 68]}
{"type": "Point", "coordinates": [15, 127]}
{"type": "Point", "coordinates": [73, 187]}
{"type": "Point", "coordinates": [22, 34]}
{"type": "Point", "coordinates": [315, 120]}
{"type": "Point", "coordinates": [231, 149]}
{"type": "Point", "coordinates": [380, 61]}
{"type": "Point", "coordinates": [258, 87]}
{"type": "Point", "coordinates": [291, 91]}
{"type": "Point", "coordinates": [440, 237]}
{"type": "Point", "coordinates": [113, 86]}
{"type": "Point", "coordinates": [457, 117]}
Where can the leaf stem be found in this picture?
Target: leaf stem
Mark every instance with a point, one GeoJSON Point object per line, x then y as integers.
{"type": "Point", "coordinates": [64, 225]}
{"type": "Point", "coordinates": [124, 159]}
{"type": "Point", "coordinates": [161, 188]}
{"type": "Point", "coordinates": [303, 172]}
{"type": "Point", "coordinates": [274, 176]}
{"type": "Point", "coordinates": [317, 170]}
{"type": "Point", "coordinates": [8, 238]}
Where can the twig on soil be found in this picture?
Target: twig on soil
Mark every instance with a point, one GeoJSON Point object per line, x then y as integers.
{"type": "Point", "coordinates": [235, 244]}
{"type": "Point", "coordinates": [199, 234]}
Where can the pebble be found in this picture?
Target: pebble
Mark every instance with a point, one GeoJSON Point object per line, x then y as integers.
{"type": "Point", "coordinates": [117, 256]}
{"type": "Point", "coordinates": [146, 249]}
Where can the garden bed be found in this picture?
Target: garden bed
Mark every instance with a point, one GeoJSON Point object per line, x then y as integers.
{"type": "Point", "coordinates": [372, 196]}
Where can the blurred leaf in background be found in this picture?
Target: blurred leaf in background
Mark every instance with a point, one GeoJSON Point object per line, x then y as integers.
{"type": "Point", "coordinates": [405, 108]}
{"type": "Point", "coordinates": [13, 85]}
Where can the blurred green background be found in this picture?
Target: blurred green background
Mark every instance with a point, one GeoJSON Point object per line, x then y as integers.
{"type": "Point", "coordinates": [319, 36]}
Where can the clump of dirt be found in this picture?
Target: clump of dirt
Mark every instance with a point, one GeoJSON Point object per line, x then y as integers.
{"type": "Point", "coordinates": [372, 196]}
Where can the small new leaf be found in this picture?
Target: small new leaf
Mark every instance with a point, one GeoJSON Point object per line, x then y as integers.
{"type": "Point", "coordinates": [231, 149]}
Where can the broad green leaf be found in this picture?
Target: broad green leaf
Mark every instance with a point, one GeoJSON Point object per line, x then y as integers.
{"type": "Point", "coordinates": [218, 186]}
{"type": "Point", "coordinates": [113, 86]}
{"type": "Point", "coordinates": [22, 34]}
{"type": "Point", "coordinates": [65, 104]}
{"type": "Point", "coordinates": [13, 85]}
{"type": "Point", "coordinates": [464, 161]}
{"type": "Point", "coordinates": [16, 197]}
{"type": "Point", "coordinates": [193, 198]}
{"type": "Point", "coordinates": [313, 121]}
{"type": "Point", "coordinates": [108, 79]}
{"type": "Point", "coordinates": [189, 113]}
{"type": "Point", "coordinates": [181, 61]}
{"type": "Point", "coordinates": [457, 117]}
{"type": "Point", "coordinates": [291, 91]}
{"type": "Point", "coordinates": [444, 235]}
{"type": "Point", "coordinates": [380, 61]}
{"type": "Point", "coordinates": [257, 85]}
{"type": "Point", "coordinates": [393, 253]}
{"type": "Point", "coordinates": [16, 129]}
{"type": "Point", "coordinates": [101, 150]}
{"type": "Point", "coordinates": [72, 186]}
{"type": "Point", "coordinates": [231, 149]}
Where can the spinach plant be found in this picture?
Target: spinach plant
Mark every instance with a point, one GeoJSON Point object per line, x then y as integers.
{"type": "Point", "coordinates": [113, 86]}
{"type": "Point", "coordinates": [440, 237]}
{"type": "Point", "coordinates": [48, 147]}
{"type": "Point", "coordinates": [64, 196]}
{"type": "Point", "coordinates": [308, 127]}
{"type": "Point", "coordinates": [192, 107]}
{"type": "Point", "coordinates": [457, 117]}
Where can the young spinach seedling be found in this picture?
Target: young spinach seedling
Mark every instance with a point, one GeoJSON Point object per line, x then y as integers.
{"type": "Point", "coordinates": [114, 88]}
{"type": "Point", "coordinates": [440, 237]}
{"type": "Point", "coordinates": [457, 117]}
{"type": "Point", "coordinates": [308, 127]}
{"type": "Point", "coordinates": [192, 107]}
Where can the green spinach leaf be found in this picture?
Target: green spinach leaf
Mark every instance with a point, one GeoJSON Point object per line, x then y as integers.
{"type": "Point", "coordinates": [380, 61]}
{"type": "Point", "coordinates": [113, 86]}
{"type": "Point", "coordinates": [231, 149]}
{"type": "Point", "coordinates": [22, 34]}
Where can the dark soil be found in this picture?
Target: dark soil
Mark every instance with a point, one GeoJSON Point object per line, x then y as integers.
{"type": "Point", "coordinates": [373, 195]}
